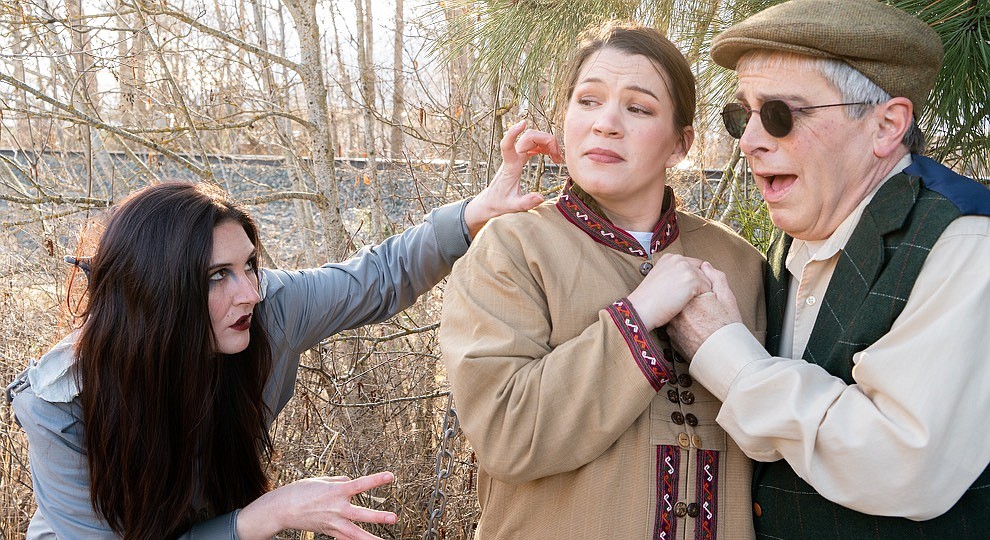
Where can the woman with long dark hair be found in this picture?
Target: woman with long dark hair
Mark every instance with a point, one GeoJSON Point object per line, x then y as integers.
{"type": "Point", "coordinates": [152, 419]}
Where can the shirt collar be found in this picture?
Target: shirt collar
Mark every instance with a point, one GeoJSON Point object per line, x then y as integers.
{"type": "Point", "coordinates": [803, 251]}
{"type": "Point", "coordinates": [53, 378]}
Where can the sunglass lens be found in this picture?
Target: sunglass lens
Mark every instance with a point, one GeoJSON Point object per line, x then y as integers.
{"type": "Point", "coordinates": [734, 116]}
{"type": "Point", "coordinates": [776, 117]}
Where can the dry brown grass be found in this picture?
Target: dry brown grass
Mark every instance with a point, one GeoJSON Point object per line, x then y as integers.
{"type": "Point", "coordinates": [30, 285]}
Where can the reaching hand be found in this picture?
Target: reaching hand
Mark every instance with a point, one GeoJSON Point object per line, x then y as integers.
{"type": "Point", "coordinates": [703, 315]}
{"type": "Point", "coordinates": [503, 194]}
{"type": "Point", "coordinates": [315, 504]}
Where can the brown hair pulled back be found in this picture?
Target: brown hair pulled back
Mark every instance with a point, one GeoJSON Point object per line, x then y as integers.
{"type": "Point", "coordinates": [635, 39]}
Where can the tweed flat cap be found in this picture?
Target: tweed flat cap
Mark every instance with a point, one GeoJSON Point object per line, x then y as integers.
{"type": "Point", "coordinates": [895, 50]}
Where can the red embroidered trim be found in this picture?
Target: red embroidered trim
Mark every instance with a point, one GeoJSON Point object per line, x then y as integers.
{"type": "Point", "coordinates": [707, 495]}
{"type": "Point", "coordinates": [604, 232]}
{"type": "Point", "coordinates": [668, 467]}
{"type": "Point", "coordinates": [644, 348]}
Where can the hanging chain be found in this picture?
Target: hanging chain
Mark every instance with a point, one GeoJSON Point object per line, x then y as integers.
{"type": "Point", "coordinates": [445, 463]}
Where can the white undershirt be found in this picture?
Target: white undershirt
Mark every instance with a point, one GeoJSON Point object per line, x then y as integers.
{"type": "Point", "coordinates": [644, 239]}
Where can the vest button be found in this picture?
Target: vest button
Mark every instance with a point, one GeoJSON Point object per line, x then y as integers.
{"type": "Point", "coordinates": [757, 510]}
{"type": "Point", "coordinates": [672, 396]}
{"type": "Point", "coordinates": [645, 268]}
{"type": "Point", "coordinates": [693, 510]}
{"type": "Point", "coordinates": [691, 419]}
{"type": "Point", "coordinates": [680, 509]}
{"type": "Point", "coordinates": [687, 397]}
{"type": "Point", "coordinates": [683, 440]}
{"type": "Point", "coordinates": [696, 441]}
{"type": "Point", "coordinates": [677, 418]}
{"type": "Point", "coordinates": [684, 380]}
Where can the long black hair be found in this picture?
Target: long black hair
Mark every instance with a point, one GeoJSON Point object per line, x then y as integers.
{"type": "Point", "coordinates": [175, 433]}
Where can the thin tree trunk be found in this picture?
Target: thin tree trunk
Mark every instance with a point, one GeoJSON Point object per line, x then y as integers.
{"type": "Point", "coordinates": [22, 126]}
{"type": "Point", "coordinates": [279, 98]}
{"type": "Point", "coordinates": [133, 59]}
{"type": "Point", "coordinates": [456, 100]}
{"type": "Point", "coordinates": [86, 82]}
{"type": "Point", "coordinates": [346, 85]}
{"type": "Point", "coordinates": [366, 70]}
{"type": "Point", "coordinates": [303, 12]}
{"type": "Point", "coordinates": [398, 83]}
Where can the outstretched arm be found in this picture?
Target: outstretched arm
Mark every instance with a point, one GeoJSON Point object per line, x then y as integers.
{"type": "Point", "coordinates": [379, 281]}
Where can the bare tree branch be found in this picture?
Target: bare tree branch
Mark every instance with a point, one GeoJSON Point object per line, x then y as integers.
{"type": "Point", "coordinates": [84, 118]}
{"type": "Point", "coordinates": [390, 401]}
{"type": "Point", "coordinates": [222, 36]}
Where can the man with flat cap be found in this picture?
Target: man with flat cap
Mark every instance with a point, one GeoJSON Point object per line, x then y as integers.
{"type": "Point", "coordinates": [869, 410]}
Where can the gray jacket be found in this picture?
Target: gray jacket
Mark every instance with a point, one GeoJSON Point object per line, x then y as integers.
{"type": "Point", "coordinates": [299, 309]}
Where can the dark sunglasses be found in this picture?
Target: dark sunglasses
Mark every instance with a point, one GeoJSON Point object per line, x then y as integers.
{"type": "Point", "coordinates": [775, 115]}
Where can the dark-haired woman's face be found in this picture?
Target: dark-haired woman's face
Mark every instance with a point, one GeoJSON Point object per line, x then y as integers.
{"type": "Point", "coordinates": [233, 287]}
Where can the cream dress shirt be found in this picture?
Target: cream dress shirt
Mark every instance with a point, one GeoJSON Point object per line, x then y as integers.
{"type": "Point", "coordinates": [909, 437]}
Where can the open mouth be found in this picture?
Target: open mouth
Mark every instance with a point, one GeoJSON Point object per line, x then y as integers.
{"type": "Point", "coordinates": [776, 186]}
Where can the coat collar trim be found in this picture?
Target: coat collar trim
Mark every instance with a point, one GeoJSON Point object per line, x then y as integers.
{"type": "Point", "coordinates": [581, 210]}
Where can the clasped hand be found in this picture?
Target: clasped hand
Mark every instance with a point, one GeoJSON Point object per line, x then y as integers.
{"type": "Point", "coordinates": [690, 296]}
{"type": "Point", "coordinates": [702, 315]}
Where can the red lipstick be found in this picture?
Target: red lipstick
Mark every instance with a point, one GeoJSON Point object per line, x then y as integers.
{"type": "Point", "coordinates": [242, 324]}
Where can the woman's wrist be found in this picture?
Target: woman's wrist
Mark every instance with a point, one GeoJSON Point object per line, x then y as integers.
{"type": "Point", "coordinates": [259, 520]}
{"type": "Point", "coordinates": [476, 215]}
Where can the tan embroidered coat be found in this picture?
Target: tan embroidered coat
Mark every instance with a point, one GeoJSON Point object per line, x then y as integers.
{"type": "Point", "coordinates": [577, 433]}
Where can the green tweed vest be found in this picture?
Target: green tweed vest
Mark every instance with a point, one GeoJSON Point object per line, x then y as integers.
{"type": "Point", "coordinates": [868, 290]}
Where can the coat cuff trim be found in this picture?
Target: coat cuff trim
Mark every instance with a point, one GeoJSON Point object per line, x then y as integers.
{"type": "Point", "coordinates": [644, 348]}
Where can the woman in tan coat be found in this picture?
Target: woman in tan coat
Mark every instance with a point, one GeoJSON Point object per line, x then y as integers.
{"type": "Point", "coordinates": [586, 424]}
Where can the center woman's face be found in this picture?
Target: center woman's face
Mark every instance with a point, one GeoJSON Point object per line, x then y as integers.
{"type": "Point", "coordinates": [619, 132]}
{"type": "Point", "coordinates": [233, 285]}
